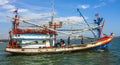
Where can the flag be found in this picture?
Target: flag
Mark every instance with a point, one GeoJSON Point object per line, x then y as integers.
{"type": "Point", "coordinates": [97, 14]}
{"type": "Point", "coordinates": [15, 11]}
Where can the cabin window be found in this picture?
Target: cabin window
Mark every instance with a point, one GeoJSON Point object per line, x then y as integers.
{"type": "Point", "coordinates": [18, 35]}
{"type": "Point", "coordinates": [15, 35]}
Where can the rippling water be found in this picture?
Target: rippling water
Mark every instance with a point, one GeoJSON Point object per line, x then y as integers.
{"type": "Point", "coordinates": [99, 57]}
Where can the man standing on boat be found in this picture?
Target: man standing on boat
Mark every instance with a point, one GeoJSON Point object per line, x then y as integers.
{"type": "Point", "coordinates": [82, 40]}
{"type": "Point", "coordinates": [68, 40]}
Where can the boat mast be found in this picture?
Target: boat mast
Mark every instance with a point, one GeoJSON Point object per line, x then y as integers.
{"type": "Point", "coordinates": [16, 21]}
{"type": "Point", "coordinates": [53, 23]}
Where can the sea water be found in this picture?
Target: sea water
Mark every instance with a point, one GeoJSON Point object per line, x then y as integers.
{"type": "Point", "coordinates": [97, 57]}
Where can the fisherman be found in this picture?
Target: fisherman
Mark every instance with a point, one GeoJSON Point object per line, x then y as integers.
{"type": "Point", "coordinates": [112, 34]}
{"type": "Point", "coordinates": [36, 42]}
{"type": "Point", "coordinates": [62, 42]}
{"type": "Point", "coordinates": [44, 41]}
{"type": "Point", "coordinates": [57, 45]}
{"type": "Point", "coordinates": [82, 40]}
{"type": "Point", "coordinates": [68, 40]}
{"type": "Point", "coordinates": [16, 43]}
{"type": "Point", "coordinates": [104, 34]}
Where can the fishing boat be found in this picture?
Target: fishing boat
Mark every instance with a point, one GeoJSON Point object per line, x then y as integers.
{"type": "Point", "coordinates": [42, 38]}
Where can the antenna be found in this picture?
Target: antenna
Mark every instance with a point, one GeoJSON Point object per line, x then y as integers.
{"type": "Point", "coordinates": [15, 11]}
{"type": "Point", "coordinates": [52, 12]}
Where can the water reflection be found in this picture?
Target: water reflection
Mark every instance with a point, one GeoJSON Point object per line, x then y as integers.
{"type": "Point", "coordinates": [79, 58]}
{"type": "Point", "coordinates": [99, 57]}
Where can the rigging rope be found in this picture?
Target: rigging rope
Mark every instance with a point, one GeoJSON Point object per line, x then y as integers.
{"type": "Point", "coordinates": [86, 22]}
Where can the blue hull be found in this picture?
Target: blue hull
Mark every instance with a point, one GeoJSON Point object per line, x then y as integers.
{"type": "Point", "coordinates": [102, 46]}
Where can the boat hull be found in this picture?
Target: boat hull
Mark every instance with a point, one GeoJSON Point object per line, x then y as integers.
{"type": "Point", "coordinates": [99, 44]}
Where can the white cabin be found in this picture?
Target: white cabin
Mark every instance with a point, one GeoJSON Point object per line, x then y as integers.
{"type": "Point", "coordinates": [32, 40]}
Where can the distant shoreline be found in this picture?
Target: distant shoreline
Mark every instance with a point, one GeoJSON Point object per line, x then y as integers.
{"type": "Point", "coordinates": [1, 42]}
{"type": "Point", "coordinates": [117, 36]}
{"type": "Point", "coordinates": [5, 40]}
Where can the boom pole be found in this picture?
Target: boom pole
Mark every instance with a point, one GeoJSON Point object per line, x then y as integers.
{"type": "Point", "coordinates": [86, 22]}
